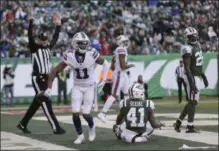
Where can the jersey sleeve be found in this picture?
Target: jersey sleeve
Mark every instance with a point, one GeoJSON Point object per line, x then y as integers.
{"type": "Point", "coordinates": [150, 104]}
{"type": "Point", "coordinates": [66, 58]}
{"type": "Point", "coordinates": [121, 51]}
{"type": "Point", "coordinates": [186, 50]}
{"type": "Point", "coordinates": [95, 54]}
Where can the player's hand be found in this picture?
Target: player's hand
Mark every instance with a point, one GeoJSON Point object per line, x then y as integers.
{"type": "Point", "coordinates": [47, 93]}
{"type": "Point", "coordinates": [161, 124]}
{"type": "Point", "coordinates": [205, 80]}
{"type": "Point", "coordinates": [57, 19]}
{"type": "Point", "coordinates": [100, 86]}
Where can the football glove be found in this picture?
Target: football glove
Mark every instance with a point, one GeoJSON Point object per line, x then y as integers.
{"type": "Point", "coordinates": [160, 124]}
{"type": "Point", "coordinates": [100, 86]}
{"type": "Point", "coordinates": [48, 92]}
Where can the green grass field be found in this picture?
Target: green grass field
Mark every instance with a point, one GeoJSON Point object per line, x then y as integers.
{"type": "Point", "coordinates": [166, 139]}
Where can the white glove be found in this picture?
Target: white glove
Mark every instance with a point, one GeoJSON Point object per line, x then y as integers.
{"type": "Point", "coordinates": [48, 92]}
{"type": "Point", "coordinates": [100, 86]}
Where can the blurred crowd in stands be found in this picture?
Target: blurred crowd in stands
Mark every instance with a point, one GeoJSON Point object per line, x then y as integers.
{"type": "Point", "coordinates": [154, 26]}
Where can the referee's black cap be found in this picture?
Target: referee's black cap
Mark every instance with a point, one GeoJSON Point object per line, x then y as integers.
{"type": "Point", "coordinates": [43, 36]}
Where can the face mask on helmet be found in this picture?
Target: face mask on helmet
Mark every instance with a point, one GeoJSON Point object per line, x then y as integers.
{"type": "Point", "coordinates": [81, 46]}
{"type": "Point", "coordinates": [192, 38]}
{"type": "Point", "coordinates": [126, 44]}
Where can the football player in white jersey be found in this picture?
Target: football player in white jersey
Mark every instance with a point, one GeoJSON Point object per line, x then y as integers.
{"type": "Point", "coordinates": [82, 59]}
{"type": "Point", "coordinates": [120, 77]}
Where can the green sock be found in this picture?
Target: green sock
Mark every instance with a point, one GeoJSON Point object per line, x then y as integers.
{"type": "Point", "coordinates": [191, 112]}
{"type": "Point", "coordinates": [184, 112]}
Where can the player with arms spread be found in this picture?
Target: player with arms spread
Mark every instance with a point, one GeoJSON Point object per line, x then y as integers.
{"type": "Point", "coordinates": [120, 77]}
{"type": "Point", "coordinates": [82, 59]}
{"type": "Point", "coordinates": [193, 63]}
{"type": "Point", "coordinates": [136, 112]}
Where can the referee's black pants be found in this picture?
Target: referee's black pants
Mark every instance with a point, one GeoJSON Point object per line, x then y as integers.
{"type": "Point", "coordinates": [40, 84]}
{"type": "Point", "coordinates": [180, 82]}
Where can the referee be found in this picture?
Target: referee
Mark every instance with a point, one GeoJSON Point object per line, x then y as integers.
{"type": "Point", "coordinates": [180, 81]}
{"type": "Point", "coordinates": [40, 56]}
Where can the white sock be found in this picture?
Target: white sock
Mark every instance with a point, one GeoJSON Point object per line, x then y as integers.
{"type": "Point", "coordinates": [108, 104]}
{"type": "Point", "coordinates": [190, 123]}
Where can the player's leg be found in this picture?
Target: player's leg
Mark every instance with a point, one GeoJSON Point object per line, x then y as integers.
{"type": "Point", "coordinates": [117, 80]}
{"type": "Point", "coordinates": [179, 90]}
{"type": "Point", "coordinates": [125, 86]}
{"type": "Point", "coordinates": [184, 112]}
{"type": "Point", "coordinates": [65, 93]}
{"type": "Point", "coordinates": [149, 129]}
{"type": "Point", "coordinates": [88, 99]}
{"type": "Point", "coordinates": [133, 137]}
{"type": "Point", "coordinates": [95, 104]}
{"type": "Point", "coordinates": [37, 85]}
{"type": "Point", "coordinates": [6, 91]}
{"type": "Point", "coordinates": [194, 99]}
{"type": "Point", "coordinates": [77, 96]}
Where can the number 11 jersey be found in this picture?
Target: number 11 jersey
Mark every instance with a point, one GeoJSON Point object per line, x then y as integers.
{"type": "Point", "coordinates": [83, 66]}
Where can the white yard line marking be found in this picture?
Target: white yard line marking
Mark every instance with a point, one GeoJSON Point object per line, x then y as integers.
{"type": "Point", "coordinates": [100, 105]}
{"type": "Point", "coordinates": [203, 137]}
{"type": "Point", "coordinates": [10, 141]}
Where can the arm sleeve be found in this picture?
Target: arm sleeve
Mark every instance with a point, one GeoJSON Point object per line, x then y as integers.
{"type": "Point", "coordinates": [186, 50]}
{"type": "Point", "coordinates": [66, 58]}
{"type": "Point", "coordinates": [55, 37]}
{"type": "Point", "coordinates": [121, 51]}
{"type": "Point", "coordinates": [95, 54]}
{"type": "Point", "coordinates": [32, 44]}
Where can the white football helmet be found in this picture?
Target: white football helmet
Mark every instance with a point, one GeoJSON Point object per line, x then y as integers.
{"type": "Point", "coordinates": [122, 41]}
{"type": "Point", "coordinates": [191, 35]}
{"type": "Point", "coordinates": [81, 42]}
{"type": "Point", "coordinates": [136, 91]}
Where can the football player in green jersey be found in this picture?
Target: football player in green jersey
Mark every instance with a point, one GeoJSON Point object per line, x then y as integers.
{"type": "Point", "coordinates": [135, 112]}
{"type": "Point", "coordinates": [194, 76]}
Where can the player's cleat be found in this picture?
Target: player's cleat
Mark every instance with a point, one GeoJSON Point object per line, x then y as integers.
{"type": "Point", "coordinates": [177, 126]}
{"type": "Point", "coordinates": [92, 134]}
{"type": "Point", "coordinates": [23, 128]}
{"type": "Point", "coordinates": [102, 117]}
{"type": "Point", "coordinates": [80, 139]}
{"type": "Point", "coordinates": [59, 131]}
{"type": "Point", "coordinates": [115, 130]}
{"type": "Point", "coordinates": [191, 129]}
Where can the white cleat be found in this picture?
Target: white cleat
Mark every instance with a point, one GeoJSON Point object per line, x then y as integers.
{"type": "Point", "coordinates": [92, 134]}
{"type": "Point", "coordinates": [102, 117]}
{"type": "Point", "coordinates": [80, 139]}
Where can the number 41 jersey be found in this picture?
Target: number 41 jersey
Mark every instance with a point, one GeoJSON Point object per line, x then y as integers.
{"type": "Point", "coordinates": [83, 66]}
{"type": "Point", "coordinates": [136, 114]}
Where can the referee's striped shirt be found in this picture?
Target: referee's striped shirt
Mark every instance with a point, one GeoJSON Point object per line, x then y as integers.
{"type": "Point", "coordinates": [41, 55]}
{"type": "Point", "coordinates": [41, 61]}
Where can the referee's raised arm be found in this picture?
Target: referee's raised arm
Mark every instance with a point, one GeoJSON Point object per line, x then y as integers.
{"type": "Point", "coordinates": [57, 20]}
{"type": "Point", "coordinates": [32, 44]}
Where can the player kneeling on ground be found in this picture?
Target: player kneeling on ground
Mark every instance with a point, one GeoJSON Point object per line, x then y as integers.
{"type": "Point", "coordinates": [136, 112]}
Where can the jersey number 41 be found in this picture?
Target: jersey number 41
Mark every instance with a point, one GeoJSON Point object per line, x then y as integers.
{"type": "Point", "coordinates": [136, 117]}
